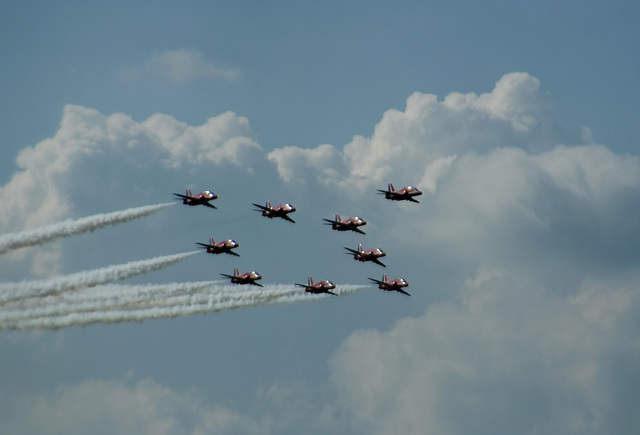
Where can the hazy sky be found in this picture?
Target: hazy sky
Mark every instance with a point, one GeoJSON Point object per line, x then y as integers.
{"type": "Point", "coordinates": [518, 120]}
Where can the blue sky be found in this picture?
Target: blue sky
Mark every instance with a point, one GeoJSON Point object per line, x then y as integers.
{"type": "Point", "coordinates": [519, 121]}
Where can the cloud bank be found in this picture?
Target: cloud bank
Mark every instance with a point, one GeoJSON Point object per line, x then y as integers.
{"type": "Point", "coordinates": [528, 233]}
{"type": "Point", "coordinates": [537, 333]}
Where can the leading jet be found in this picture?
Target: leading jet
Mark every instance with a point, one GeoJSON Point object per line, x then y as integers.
{"type": "Point", "coordinates": [368, 255]}
{"type": "Point", "coordinates": [396, 284]}
{"type": "Point", "coordinates": [350, 224]}
{"type": "Point", "coordinates": [318, 287]}
{"type": "Point", "coordinates": [201, 198]}
{"type": "Point", "coordinates": [405, 194]}
{"type": "Point", "coordinates": [245, 278]}
{"type": "Point", "coordinates": [224, 246]}
{"type": "Point", "coordinates": [280, 211]}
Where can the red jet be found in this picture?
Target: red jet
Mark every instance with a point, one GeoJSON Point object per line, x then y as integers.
{"type": "Point", "coordinates": [221, 247]}
{"type": "Point", "coordinates": [395, 284]}
{"type": "Point", "coordinates": [350, 224]}
{"type": "Point", "coordinates": [318, 287]}
{"type": "Point", "coordinates": [201, 198]}
{"type": "Point", "coordinates": [245, 278]}
{"type": "Point", "coordinates": [404, 194]}
{"type": "Point", "coordinates": [280, 211]}
{"type": "Point", "coordinates": [368, 255]}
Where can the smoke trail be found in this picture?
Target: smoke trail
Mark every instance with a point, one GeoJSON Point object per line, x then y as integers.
{"type": "Point", "coordinates": [98, 298]}
{"type": "Point", "coordinates": [201, 303]}
{"type": "Point", "coordinates": [39, 288]}
{"type": "Point", "coordinates": [123, 299]}
{"type": "Point", "coordinates": [69, 227]}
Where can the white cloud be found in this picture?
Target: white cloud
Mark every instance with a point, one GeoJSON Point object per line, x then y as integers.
{"type": "Point", "coordinates": [179, 66]}
{"type": "Point", "coordinates": [435, 170]}
{"type": "Point", "coordinates": [404, 143]}
{"type": "Point", "coordinates": [106, 163]}
{"type": "Point", "coordinates": [507, 359]}
{"type": "Point", "coordinates": [118, 406]}
{"type": "Point", "coordinates": [544, 326]}
{"type": "Point", "coordinates": [147, 407]}
{"type": "Point", "coordinates": [89, 144]}
{"type": "Point", "coordinates": [560, 205]}
{"type": "Point", "coordinates": [324, 163]}
{"type": "Point", "coordinates": [530, 326]}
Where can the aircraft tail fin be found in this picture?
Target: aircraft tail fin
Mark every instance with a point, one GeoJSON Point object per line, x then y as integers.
{"type": "Point", "coordinates": [338, 217]}
{"type": "Point", "coordinates": [211, 241]}
{"type": "Point", "coordinates": [268, 205]}
{"type": "Point", "coordinates": [384, 277]}
{"type": "Point", "coordinates": [236, 272]}
{"type": "Point", "coordinates": [390, 187]}
{"type": "Point", "coordinates": [188, 193]}
{"type": "Point", "coordinates": [360, 249]}
{"type": "Point", "coordinates": [310, 281]}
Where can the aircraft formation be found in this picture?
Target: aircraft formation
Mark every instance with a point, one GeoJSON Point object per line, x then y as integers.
{"type": "Point", "coordinates": [338, 224]}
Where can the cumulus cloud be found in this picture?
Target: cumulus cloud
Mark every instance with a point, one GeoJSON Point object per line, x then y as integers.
{"type": "Point", "coordinates": [509, 358]}
{"type": "Point", "coordinates": [535, 331]}
{"type": "Point", "coordinates": [325, 163]}
{"type": "Point", "coordinates": [97, 162]}
{"type": "Point", "coordinates": [120, 406]}
{"type": "Point", "coordinates": [92, 153]}
{"type": "Point", "coordinates": [179, 66]}
{"type": "Point", "coordinates": [530, 325]}
{"type": "Point", "coordinates": [124, 406]}
{"type": "Point", "coordinates": [515, 113]}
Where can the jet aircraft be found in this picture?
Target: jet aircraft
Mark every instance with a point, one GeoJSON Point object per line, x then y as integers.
{"type": "Point", "coordinates": [318, 287]}
{"type": "Point", "coordinates": [201, 198]}
{"type": "Point", "coordinates": [280, 211]}
{"type": "Point", "coordinates": [245, 278]}
{"type": "Point", "coordinates": [368, 255]}
{"type": "Point", "coordinates": [224, 246]}
{"type": "Point", "coordinates": [350, 224]}
{"type": "Point", "coordinates": [405, 194]}
{"type": "Point", "coordinates": [395, 284]}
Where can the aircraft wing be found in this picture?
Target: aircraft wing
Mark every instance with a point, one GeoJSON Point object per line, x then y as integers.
{"type": "Point", "coordinates": [206, 204]}
{"type": "Point", "coordinates": [180, 195]}
{"type": "Point", "coordinates": [261, 207]}
{"type": "Point", "coordinates": [358, 230]}
{"type": "Point", "coordinates": [413, 200]}
{"type": "Point", "coordinates": [383, 192]}
{"type": "Point", "coordinates": [330, 222]}
{"type": "Point", "coordinates": [301, 285]}
{"type": "Point", "coordinates": [375, 260]}
{"type": "Point", "coordinates": [287, 218]}
{"type": "Point", "coordinates": [377, 281]}
{"type": "Point", "coordinates": [255, 283]}
{"type": "Point", "coordinates": [331, 293]}
{"type": "Point", "coordinates": [204, 245]}
{"type": "Point", "coordinates": [352, 251]}
{"type": "Point", "coordinates": [232, 253]}
{"type": "Point", "coordinates": [403, 292]}
{"type": "Point", "coordinates": [226, 275]}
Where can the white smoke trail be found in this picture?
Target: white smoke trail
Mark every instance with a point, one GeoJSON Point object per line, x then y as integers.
{"type": "Point", "coordinates": [201, 303]}
{"type": "Point", "coordinates": [39, 288]}
{"type": "Point", "coordinates": [98, 298]}
{"type": "Point", "coordinates": [125, 300]}
{"type": "Point", "coordinates": [69, 227]}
